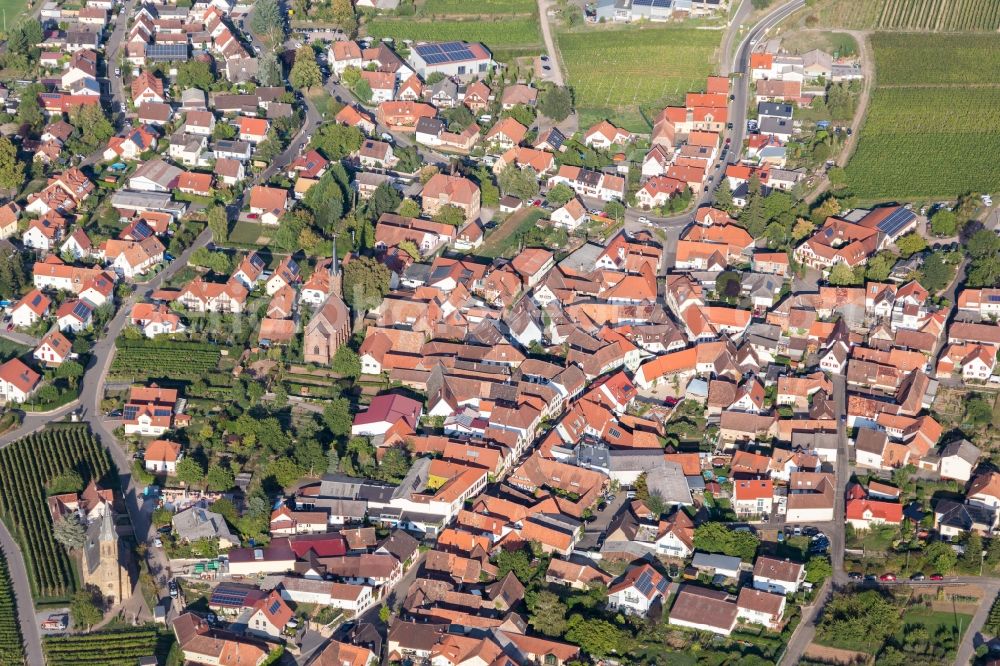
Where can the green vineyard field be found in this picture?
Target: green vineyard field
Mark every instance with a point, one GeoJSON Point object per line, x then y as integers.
{"type": "Point", "coordinates": [25, 467]}
{"type": "Point", "coordinates": [11, 641]}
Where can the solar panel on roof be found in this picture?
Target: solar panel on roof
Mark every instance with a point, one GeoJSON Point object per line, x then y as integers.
{"type": "Point", "coordinates": [130, 412]}
{"type": "Point", "coordinates": [274, 607]}
{"type": "Point", "coordinates": [896, 221]}
{"type": "Point", "coordinates": [161, 412]}
{"type": "Point", "coordinates": [81, 310]}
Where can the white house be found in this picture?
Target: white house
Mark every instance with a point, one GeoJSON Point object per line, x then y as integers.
{"type": "Point", "coordinates": [958, 459]}
{"type": "Point", "coordinates": [54, 349]}
{"type": "Point", "coordinates": [75, 315]}
{"type": "Point", "coordinates": [759, 607]}
{"type": "Point", "coordinates": [17, 381]}
{"type": "Point", "coordinates": [571, 215]}
{"type": "Point", "coordinates": [780, 576]}
{"type": "Point", "coordinates": [270, 616]}
{"type": "Point", "coordinates": [161, 456]}
{"type": "Point", "coordinates": [353, 598]}
{"type": "Point", "coordinates": [637, 590]}
{"type": "Point", "coordinates": [30, 309]}
{"type": "Point", "coordinates": [704, 609]}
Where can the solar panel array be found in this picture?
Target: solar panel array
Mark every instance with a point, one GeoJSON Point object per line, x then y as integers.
{"type": "Point", "coordinates": [896, 221]}
{"type": "Point", "coordinates": [651, 3]}
{"type": "Point", "coordinates": [645, 582]}
{"type": "Point", "coordinates": [228, 597]}
{"type": "Point", "coordinates": [130, 412]}
{"type": "Point", "coordinates": [274, 607]}
{"type": "Point", "coordinates": [81, 310]}
{"type": "Point", "coordinates": [442, 52]}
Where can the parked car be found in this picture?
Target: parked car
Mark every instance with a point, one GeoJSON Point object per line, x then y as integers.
{"type": "Point", "coordinates": [917, 576]}
{"type": "Point", "coordinates": [855, 576]}
{"type": "Point", "coordinates": [870, 577]}
{"type": "Point", "coordinates": [887, 577]}
{"type": "Point", "coordinates": [937, 576]}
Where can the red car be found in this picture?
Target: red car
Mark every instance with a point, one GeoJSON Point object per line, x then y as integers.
{"type": "Point", "coordinates": [888, 578]}
{"type": "Point", "coordinates": [252, 216]}
{"type": "Point", "coordinates": [670, 402]}
{"type": "Point", "coordinates": [537, 203]}
{"type": "Point", "coordinates": [937, 577]}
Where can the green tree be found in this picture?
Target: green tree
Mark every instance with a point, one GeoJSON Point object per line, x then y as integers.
{"type": "Point", "coordinates": [489, 192]}
{"type": "Point", "coordinates": [548, 614]}
{"type": "Point", "coordinates": [337, 141]}
{"type": "Point", "coordinates": [190, 471]}
{"type": "Point", "coordinates": [285, 472]}
{"type": "Point", "coordinates": [71, 371]}
{"type": "Point", "coordinates": [69, 532]}
{"type": "Point", "coordinates": [11, 168]}
{"type": "Point", "coordinates": [866, 615]}
{"type": "Point", "coordinates": [350, 76]}
{"type": "Point", "coordinates": [910, 244]}
{"type": "Point", "coordinates": [556, 103]}
{"type": "Point", "coordinates": [598, 638]}
{"type": "Point", "coordinates": [944, 222]}
{"type": "Point", "coordinates": [366, 282]}
{"type": "Point", "coordinates": [409, 208]}
{"type": "Point", "coordinates": [267, 20]}
{"type": "Point", "coordinates": [344, 16]}
{"type": "Point", "coordinates": [983, 243]}
{"type": "Point", "coordinates": [518, 561]}
{"type": "Point", "coordinates": [880, 266]}
{"type": "Point", "coordinates": [449, 214]}
{"type": "Point", "coordinates": [363, 91]}
{"type": "Point", "coordinates": [224, 131]}
{"type": "Point", "coordinates": [521, 183]}
{"type": "Point", "coordinates": [310, 456]}
{"type": "Point", "coordinates": [220, 477]}
{"type": "Point", "coordinates": [195, 74]}
{"type": "Point", "coordinates": [818, 569]}
{"type": "Point", "coordinates": [940, 556]}
{"type": "Point", "coordinates": [305, 71]}
{"type": "Point", "coordinates": [935, 274]}
{"type": "Point", "coordinates": [978, 411]}
{"type": "Point", "coordinates": [384, 614]}
{"type": "Point", "coordinates": [337, 417]}
{"type": "Point", "coordinates": [521, 113]}
{"type": "Point", "coordinates": [94, 126]}
{"type": "Point", "coordinates": [269, 69]}
{"type": "Point", "coordinates": [29, 110]}
{"type": "Point", "coordinates": [724, 196]}
{"type": "Point", "coordinates": [346, 362]}
{"type": "Point", "coordinates": [84, 609]}
{"type": "Point", "coordinates": [843, 275]}
{"type": "Point", "coordinates": [218, 222]}
{"type": "Point", "coordinates": [394, 465]}
{"type": "Point", "coordinates": [458, 117]}
{"type": "Point", "coordinates": [560, 195]}
{"type": "Point", "coordinates": [972, 555]}
{"type": "Point", "coordinates": [718, 538]}
{"type": "Point", "coordinates": [615, 209]}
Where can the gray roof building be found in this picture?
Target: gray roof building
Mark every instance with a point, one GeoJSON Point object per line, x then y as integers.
{"type": "Point", "coordinates": [197, 523]}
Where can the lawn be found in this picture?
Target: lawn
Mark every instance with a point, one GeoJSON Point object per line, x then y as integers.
{"type": "Point", "coordinates": [12, 10]}
{"type": "Point", "coordinates": [464, 7]}
{"type": "Point", "coordinates": [927, 135]}
{"type": "Point", "coordinates": [640, 70]}
{"type": "Point", "coordinates": [10, 349]}
{"type": "Point", "coordinates": [915, 15]}
{"type": "Point", "coordinates": [504, 238]}
{"type": "Point", "coordinates": [250, 233]}
{"type": "Point", "coordinates": [498, 34]}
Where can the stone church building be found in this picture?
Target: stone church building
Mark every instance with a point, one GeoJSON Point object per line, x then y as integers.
{"type": "Point", "coordinates": [105, 560]}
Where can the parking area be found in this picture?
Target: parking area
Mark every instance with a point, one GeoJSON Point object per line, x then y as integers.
{"type": "Point", "coordinates": [594, 530]}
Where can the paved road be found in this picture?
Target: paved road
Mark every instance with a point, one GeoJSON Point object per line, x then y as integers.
{"type": "Point", "coordinates": [740, 15]}
{"type": "Point", "coordinates": [550, 44]}
{"type": "Point", "coordinates": [19, 338]}
{"type": "Point", "coordinates": [972, 638]}
{"type": "Point", "coordinates": [22, 589]}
